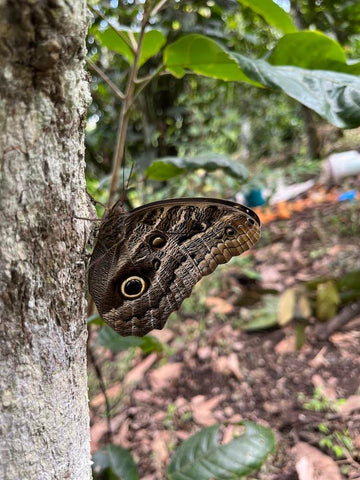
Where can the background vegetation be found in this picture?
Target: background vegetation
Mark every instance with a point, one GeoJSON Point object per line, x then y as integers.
{"type": "Point", "coordinates": [229, 96]}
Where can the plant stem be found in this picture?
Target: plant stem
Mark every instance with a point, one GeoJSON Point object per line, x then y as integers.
{"type": "Point", "coordinates": [118, 32]}
{"type": "Point", "coordinates": [119, 155]}
{"type": "Point", "coordinates": [106, 79]}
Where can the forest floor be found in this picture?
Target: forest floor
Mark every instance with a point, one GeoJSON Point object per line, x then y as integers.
{"type": "Point", "coordinates": [211, 371]}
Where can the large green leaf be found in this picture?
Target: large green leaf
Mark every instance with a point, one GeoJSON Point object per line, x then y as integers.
{"type": "Point", "coordinates": [168, 167]}
{"type": "Point", "coordinates": [272, 14]}
{"type": "Point", "coordinates": [334, 95]}
{"type": "Point", "coordinates": [117, 461]}
{"type": "Point", "coordinates": [204, 56]}
{"type": "Point", "coordinates": [108, 338]}
{"type": "Point", "coordinates": [201, 457]}
{"type": "Point", "coordinates": [152, 43]}
{"type": "Point", "coordinates": [313, 50]}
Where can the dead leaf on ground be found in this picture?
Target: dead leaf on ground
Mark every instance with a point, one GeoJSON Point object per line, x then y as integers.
{"type": "Point", "coordinates": [319, 360]}
{"type": "Point", "coordinates": [97, 431]}
{"type": "Point", "coordinates": [271, 277]}
{"type": "Point", "coordinates": [287, 344]}
{"type": "Point", "coordinates": [202, 409]}
{"type": "Point", "coordinates": [218, 305]}
{"type": "Point", "coordinates": [111, 392]}
{"type": "Point", "coordinates": [228, 364]}
{"type": "Point", "coordinates": [328, 388]}
{"type": "Point", "coordinates": [352, 404]}
{"type": "Point", "coordinates": [204, 353]}
{"type": "Point", "coordinates": [121, 436]}
{"type": "Point", "coordinates": [162, 376]}
{"type": "Point", "coordinates": [311, 464]}
{"type": "Point", "coordinates": [160, 450]}
{"type": "Point", "coordinates": [137, 373]}
{"type": "Point", "coordinates": [165, 335]}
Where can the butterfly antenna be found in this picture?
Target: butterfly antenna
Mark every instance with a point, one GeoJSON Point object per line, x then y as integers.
{"type": "Point", "coordinates": [123, 185]}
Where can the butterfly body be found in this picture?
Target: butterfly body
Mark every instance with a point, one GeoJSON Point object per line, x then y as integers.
{"type": "Point", "coordinates": [147, 261]}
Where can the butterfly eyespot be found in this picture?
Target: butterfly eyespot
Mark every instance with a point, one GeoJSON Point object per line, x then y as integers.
{"type": "Point", "coordinates": [133, 287]}
{"type": "Point", "coordinates": [156, 264]}
{"type": "Point", "coordinates": [230, 232]}
{"type": "Point", "coordinates": [157, 241]}
{"type": "Point", "coordinates": [251, 221]}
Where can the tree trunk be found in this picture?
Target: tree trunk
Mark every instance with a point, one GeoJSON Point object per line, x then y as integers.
{"type": "Point", "coordinates": [43, 93]}
{"type": "Point", "coordinates": [312, 136]}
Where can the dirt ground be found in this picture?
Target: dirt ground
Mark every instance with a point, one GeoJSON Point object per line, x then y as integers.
{"type": "Point", "coordinates": [213, 372]}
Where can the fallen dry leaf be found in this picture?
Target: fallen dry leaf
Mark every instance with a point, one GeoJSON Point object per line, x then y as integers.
{"type": "Point", "coordinates": [160, 450]}
{"type": "Point", "coordinates": [137, 373]}
{"type": "Point", "coordinates": [204, 353]}
{"type": "Point", "coordinates": [164, 335]}
{"type": "Point", "coordinates": [352, 404]}
{"type": "Point", "coordinates": [202, 409]}
{"type": "Point", "coordinates": [286, 345]}
{"type": "Point", "coordinates": [319, 360]}
{"type": "Point", "coordinates": [121, 436]}
{"type": "Point", "coordinates": [111, 392]}
{"type": "Point", "coordinates": [328, 390]}
{"type": "Point", "coordinates": [311, 464]}
{"type": "Point", "coordinates": [162, 376]}
{"type": "Point", "coordinates": [228, 365]}
{"type": "Point", "coordinates": [97, 431]}
{"type": "Point", "coordinates": [219, 305]}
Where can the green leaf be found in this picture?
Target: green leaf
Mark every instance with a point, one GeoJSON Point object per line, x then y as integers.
{"type": "Point", "coordinates": [272, 14]}
{"type": "Point", "coordinates": [152, 43]}
{"type": "Point", "coordinates": [204, 56]}
{"type": "Point", "coordinates": [108, 338]}
{"type": "Point", "coordinates": [95, 319]}
{"type": "Point", "coordinates": [151, 344]}
{"type": "Point", "coordinates": [201, 457]}
{"type": "Point", "coordinates": [118, 460]}
{"type": "Point", "coordinates": [333, 95]}
{"type": "Point", "coordinates": [264, 317]}
{"type": "Point", "coordinates": [169, 167]}
{"type": "Point", "coordinates": [313, 50]}
{"type": "Point", "coordinates": [327, 300]}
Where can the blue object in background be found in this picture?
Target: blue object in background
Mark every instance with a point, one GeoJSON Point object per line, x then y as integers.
{"type": "Point", "coordinates": [350, 195]}
{"type": "Point", "coordinates": [254, 198]}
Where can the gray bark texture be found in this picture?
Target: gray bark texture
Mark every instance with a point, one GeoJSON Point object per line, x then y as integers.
{"type": "Point", "coordinates": [44, 422]}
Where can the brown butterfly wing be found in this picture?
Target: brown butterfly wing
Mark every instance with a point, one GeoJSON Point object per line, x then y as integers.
{"type": "Point", "coordinates": [147, 262]}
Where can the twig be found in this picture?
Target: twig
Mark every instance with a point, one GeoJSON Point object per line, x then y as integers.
{"type": "Point", "coordinates": [103, 390]}
{"type": "Point", "coordinates": [158, 7]}
{"type": "Point", "coordinates": [119, 154]}
{"type": "Point", "coordinates": [118, 32]}
{"type": "Point", "coordinates": [145, 81]}
{"type": "Point", "coordinates": [103, 75]}
{"type": "Point", "coordinates": [346, 314]}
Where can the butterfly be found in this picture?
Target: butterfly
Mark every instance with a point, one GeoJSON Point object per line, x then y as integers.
{"type": "Point", "coordinates": [147, 261]}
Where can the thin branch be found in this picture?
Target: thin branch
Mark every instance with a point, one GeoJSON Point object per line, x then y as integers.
{"type": "Point", "coordinates": [118, 32]}
{"type": "Point", "coordinates": [119, 155]}
{"type": "Point", "coordinates": [106, 79]}
{"type": "Point", "coordinates": [133, 41]}
{"type": "Point", "coordinates": [342, 318]}
{"type": "Point", "coordinates": [145, 81]}
{"type": "Point", "coordinates": [103, 390]}
{"type": "Point", "coordinates": [158, 7]}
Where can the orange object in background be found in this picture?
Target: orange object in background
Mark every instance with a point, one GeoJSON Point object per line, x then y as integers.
{"type": "Point", "coordinates": [284, 209]}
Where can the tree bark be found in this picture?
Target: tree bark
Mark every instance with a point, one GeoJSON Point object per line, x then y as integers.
{"type": "Point", "coordinates": [312, 136]}
{"type": "Point", "coordinates": [43, 93]}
